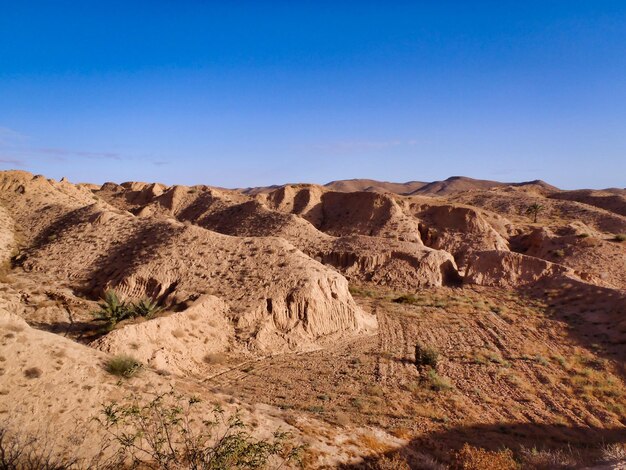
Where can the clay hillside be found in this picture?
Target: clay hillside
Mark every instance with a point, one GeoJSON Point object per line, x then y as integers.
{"type": "Point", "coordinates": [362, 324]}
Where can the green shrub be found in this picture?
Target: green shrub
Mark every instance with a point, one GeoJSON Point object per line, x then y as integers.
{"type": "Point", "coordinates": [123, 366]}
{"type": "Point", "coordinates": [534, 210]}
{"type": "Point", "coordinates": [113, 310]}
{"type": "Point", "coordinates": [146, 308]}
{"type": "Point", "coordinates": [426, 356]}
{"type": "Point", "coordinates": [620, 237]}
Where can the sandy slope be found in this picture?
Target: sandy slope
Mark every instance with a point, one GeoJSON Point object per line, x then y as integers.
{"type": "Point", "coordinates": [258, 296]}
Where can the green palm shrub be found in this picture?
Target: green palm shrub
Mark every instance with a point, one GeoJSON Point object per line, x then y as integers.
{"type": "Point", "coordinates": [112, 309]}
{"type": "Point", "coordinates": [146, 308]}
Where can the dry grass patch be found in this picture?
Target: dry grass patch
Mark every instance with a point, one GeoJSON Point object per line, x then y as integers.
{"type": "Point", "coordinates": [123, 366]}
{"type": "Point", "coordinates": [215, 358]}
{"type": "Point", "coordinates": [548, 459]}
{"type": "Point", "coordinates": [33, 373]}
{"type": "Point", "coordinates": [475, 458]}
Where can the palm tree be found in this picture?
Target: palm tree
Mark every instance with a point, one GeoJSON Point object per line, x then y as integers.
{"type": "Point", "coordinates": [533, 210]}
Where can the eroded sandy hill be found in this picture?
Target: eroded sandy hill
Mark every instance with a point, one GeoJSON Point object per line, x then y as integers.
{"type": "Point", "coordinates": [257, 296]}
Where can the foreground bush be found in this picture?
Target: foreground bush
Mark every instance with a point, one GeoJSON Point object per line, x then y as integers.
{"type": "Point", "coordinates": [28, 454]}
{"type": "Point", "coordinates": [163, 435]}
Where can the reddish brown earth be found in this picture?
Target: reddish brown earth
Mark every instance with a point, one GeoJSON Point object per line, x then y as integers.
{"type": "Point", "coordinates": [307, 308]}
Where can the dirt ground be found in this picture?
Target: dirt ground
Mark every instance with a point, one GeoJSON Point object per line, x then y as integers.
{"type": "Point", "coordinates": [505, 366]}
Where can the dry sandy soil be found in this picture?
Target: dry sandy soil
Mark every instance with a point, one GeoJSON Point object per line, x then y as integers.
{"type": "Point", "coordinates": [383, 325]}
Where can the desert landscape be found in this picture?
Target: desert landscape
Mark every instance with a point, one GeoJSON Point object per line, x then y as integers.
{"type": "Point", "coordinates": [462, 324]}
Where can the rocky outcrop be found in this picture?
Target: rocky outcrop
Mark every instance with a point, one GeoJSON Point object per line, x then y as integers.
{"type": "Point", "coordinates": [581, 248]}
{"type": "Point", "coordinates": [343, 214]}
{"type": "Point", "coordinates": [457, 229]}
{"type": "Point", "coordinates": [7, 237]}
{"type": "Point", "coordinates": [508, 269]}
{"type": "Point", "coordinates": [389, 262]}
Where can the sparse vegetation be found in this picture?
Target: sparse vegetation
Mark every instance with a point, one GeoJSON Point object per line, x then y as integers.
{"type": "Point", "coordinates": [123, 366]}
{"type": "Point", "coordinates": [620, 237]}
{"type": "Point", "coordinates": [392, 462]}
{"type": "Point", "coordinates": [426, 356]}
{"type": "Point", "coordinates": [164, 434]}
{"type": "Point", "coordinates": [361, 292]}
{"type": "Point", "coordinates": [114, 310]}
{"type": "Point", "coordinates": [547, 458]}
{"type": "Point", "coordinates": [534, 210]}
{"type": "Point", "coordinates": [33, 373]}
{"type": "Point", "coordinates": [475, 458]}
{"type": "Point", "coordinates": [146, 308]}
{"type": "Point", "coordinates": [409, 299]}
{"type": "Point", "coordinates": [18, 453]}
{"type": "Point", "coordinates": [613, 452]}
{"type": "Point", "coordinates": [437, 382]}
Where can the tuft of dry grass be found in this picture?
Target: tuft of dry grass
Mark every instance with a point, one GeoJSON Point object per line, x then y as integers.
{"type": "Point", "coordinates": [33, 373]}
{"type": "Point", "coordinates": [391, 462]}
{"type": "Point", "coordinates": [475, 458]}
{"type": "Point", "coordinates": [547, 459]}
{"type": "Point", "coordinates": [613, 452]}
{"type": "Point", "coordinates": [123, 366]}
{"type": "Point", "coordinates": [373, 443]}
{"type": "Point", "coordinates": [437, 382]}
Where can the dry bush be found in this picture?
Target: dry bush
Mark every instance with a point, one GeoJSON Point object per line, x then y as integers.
{"type": "Point", "coordinates": [123, 366]}
{"type": "Point", "coordinates": [437, 382]}
{"type": "Point", "coordinates": [475, 458]}
{"type": "Point", "coordinates": [546, 459]}
{"type": "Point", "coordinates": [33, 373]}
{"type": "Point", "coordinates": [391, 462]}
{"type": "Point", "coordinates": [17, 453]}
{"type": "Point", "coordinates": [426, 356]}
{"type": "Point", "coordinates": [165, 434]}
{"type": "Point", "coordinates": [613, 452]}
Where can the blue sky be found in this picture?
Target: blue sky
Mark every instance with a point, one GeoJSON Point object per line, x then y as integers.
{"type": "Point", "coordinates": [254, 93]}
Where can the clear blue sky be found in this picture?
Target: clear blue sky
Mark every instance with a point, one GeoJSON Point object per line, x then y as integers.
{"type": "Point", "coordinates": [254, 93]}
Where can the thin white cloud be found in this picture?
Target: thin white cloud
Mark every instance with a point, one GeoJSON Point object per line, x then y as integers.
{"type": "Point", "coordinates": [363, 145]}
{"type": "Point", "coordinates": [63, 152]}
{"type": "Point", "coordinates": [10, 136]}
{"type": "Point", "coordinates": [15, 146]}
{"type": "Point", "coordinates": [11, 161]}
